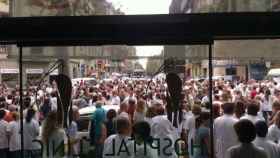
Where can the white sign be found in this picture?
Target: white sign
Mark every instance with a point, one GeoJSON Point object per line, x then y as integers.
{"type": "Point", "coordinates": [9, 71]}
{"type": "Point", "coordinates": [34, 71]}
{"type": "Point", "coordinates": [55, 72]}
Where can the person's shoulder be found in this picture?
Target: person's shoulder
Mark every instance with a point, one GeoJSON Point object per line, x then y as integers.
{"type": "Point", "coordinates": [244, 117]}
{"type": "Point", "coordinates": [219, 119]}
{"type": "Point", "coordinates": [6, 123]}
{"type": "Point", "coordinates": [273, 145]}
{"type": "Point", "coordinates": [260, 152]}
{"type": "Point", "coordinates": [272, 127]}
{"type": "Point", "coordinates": [234, 148]}
{"type": "Point", "coordinates": [111, 137]}
{"type": "Point", "coordinates": [11, 124]}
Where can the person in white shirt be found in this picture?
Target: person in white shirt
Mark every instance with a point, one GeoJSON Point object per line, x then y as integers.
{"type": "Point", "coordinates": [143, 142]}
{"type": "Point", "coordinates": [115, 98]}
{"type": "Point", "coordinates": [4, 143]}
{"type": "Point", "coordinates": [246, 133]}
{"type": "Point", "coordinates": [114, 146]}
{"type": "Point", "coordinates": [189, 127]}
{"type": "Point", "coordinates": [31, 133]}
{"type": "Point", "coordinates": [53, 101]}
{"type": "Point", "coordinates": [164, 130]}
{"type": "Point", "coordinates": [266, 106]}
{"type": "Point", "coordinates": [274, 129]}
{"type": "Point", "coordinates": [224, 134]}
{"type": "Point", "coordinates": [252, 112]}
{"type": "Point", "coordinates": [14, 136]}
{"type": "Point", "coordinates": [272, 150]}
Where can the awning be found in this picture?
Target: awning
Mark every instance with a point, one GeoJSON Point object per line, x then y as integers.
{"type": "Point", "coordinates": [139, 29]}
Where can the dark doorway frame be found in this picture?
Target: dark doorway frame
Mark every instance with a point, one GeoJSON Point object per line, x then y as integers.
{"type": "Point", "coordinates": [176, 29]}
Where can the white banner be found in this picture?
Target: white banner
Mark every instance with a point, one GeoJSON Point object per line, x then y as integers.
{"type": "Point", "coordinates": [9, 71]}
{"type": "Point", "coordinates": [34, 71]}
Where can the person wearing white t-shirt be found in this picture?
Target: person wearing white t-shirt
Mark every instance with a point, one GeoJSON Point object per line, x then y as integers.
{"type": "Point", "coordinates": [165, 130]}
{"type": "Point", "coordinates": [115, 99]}
{"type": "Point", "coordinates": [274, 129]}
{"type": "Point", "coordinates": [189, 128]}
{"type": "Point", "coordinates": [252, 113]}
{"type": "Point", "coordinates": [31, 133]}
{"type": "Point", "coordinates": [14, 136]}
{"type": "Point", "coordinates": [224, 134]}
{"type": "Point", "coordinates": [266, 106]}
{"type": "Point", "coordinates": [271, 148]}
{"type": "Point", "coordinates": [4, 143]}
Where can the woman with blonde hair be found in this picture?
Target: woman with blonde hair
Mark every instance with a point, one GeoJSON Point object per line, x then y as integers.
{"type": "Point", "coordinates": [53, 137]}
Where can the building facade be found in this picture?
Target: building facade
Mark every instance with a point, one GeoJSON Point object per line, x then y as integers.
{"type": "Point", "coordinates": [237, 59]}
{"type": "Point", "coordinates": [83, 61]}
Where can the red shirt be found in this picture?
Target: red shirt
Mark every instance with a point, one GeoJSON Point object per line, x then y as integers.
{"type": "Point", "coordinates": [253, 94]}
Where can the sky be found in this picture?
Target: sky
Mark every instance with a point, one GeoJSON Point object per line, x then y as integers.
{"type": "Point", "coordinates": [134, 7]}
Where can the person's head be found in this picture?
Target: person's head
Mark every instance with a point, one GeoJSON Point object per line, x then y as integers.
{"type": "Point", "coordinates": [240, 109]}
{"type": "Point", "coordinates": [276, 106]}
{"type": "Point", "coordinates": [216, 110]}
{"type": "Point", "coordinates": [203, 117]}
{"type": "Point", "coordinates": [111, 114]}
{"type": "Point", "coordinates": [123, 126]}
{"type": "Point", "coordinates": [217, 97]}
{"type": "Point", "coordinates": [26, 102]}
{"type": "Point", "coordinates": [114, 93]}
{"type": "Point", "coordinates": [267, 92]}
{"type": "Point", "coordinates": [245, 130]}
{"type": "Point", "coordinates": [196, 110]}
{"type": "Point", "coordinates": [15, 116]}
{"type": "Point", "coordinates": [160, 110]}
{"type": "Point", "coordinates": [151, 112]}
{"type": "Point", "coordinates": [228, 108]}
{"type": "Point", "coordinates": [141, 131]}
{"type": "Point", "coordinates": [261, 129]}
{"type": "Point", "coordinates": [253, 108]}
{"type": "Point", "coordinates": [30, 114]}
{"type": "Point", "coordinates": [98, 104]}
{"type": "Point", "coordinates": [2, 114]}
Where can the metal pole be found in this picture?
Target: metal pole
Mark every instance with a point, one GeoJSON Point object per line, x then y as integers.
{"type": "Point", "coordinates": [211, 100]}
{"type": "Point", "coordinates": [21, 102]}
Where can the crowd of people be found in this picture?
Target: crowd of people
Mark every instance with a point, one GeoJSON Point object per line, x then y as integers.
{"type": "Point", "coordinates": [246, 120]}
